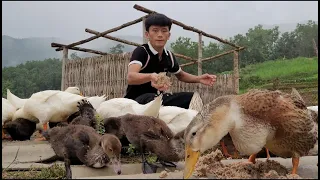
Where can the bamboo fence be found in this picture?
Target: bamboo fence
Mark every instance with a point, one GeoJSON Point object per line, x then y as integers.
{"type": "Point", "coordinates": [107, 75]}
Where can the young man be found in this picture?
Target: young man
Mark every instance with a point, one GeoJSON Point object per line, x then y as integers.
{"type": "Point", "coordinates": [151, 58]}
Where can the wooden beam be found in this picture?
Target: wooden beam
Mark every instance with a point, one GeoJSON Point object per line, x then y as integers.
{"type": "Point", "coordinates": [78, 49]}
{"type": "Point", "coordinates": [200, 55]}
{"type": "Point", "coordinates": [144, 39]}
{"type": "Point", "coordinates": [211, 58]}
{"type": "Point", "coordinates": [189, 28]}
{"type": "Point", "coordinates": [64, 59]}
{"type": "Point", "coordinates": [113, 38]}
{"type": "Point", "coordinates": [135, 44]}
{"type": "Point", "coordinates": [236, 71]}
{"type": "Point", "coordinates": [103, 33]}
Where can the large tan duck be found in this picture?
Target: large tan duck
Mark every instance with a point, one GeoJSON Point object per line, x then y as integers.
{"type": "Point", "coordinates": [256, 119]}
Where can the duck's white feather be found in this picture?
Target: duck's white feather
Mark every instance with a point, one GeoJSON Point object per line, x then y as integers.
{"type": "Point", "coordinates": [49, 106]}
{"type": "Point", "coordinates": [15, 100]}
{"type": "Point", "coordinates": [7, 110]}
{"type": "Point", "coordinates": [96, 101]}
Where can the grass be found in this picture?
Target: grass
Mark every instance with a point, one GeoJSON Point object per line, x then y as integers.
{"type": "Point", "coordinates": [294, 72]}
{"type": "Point", "coordinates": [54, 172]}
{"type": "Point", "coordinates": [300, 73]}
{"type": "Point", "coordinates": [291, 69]}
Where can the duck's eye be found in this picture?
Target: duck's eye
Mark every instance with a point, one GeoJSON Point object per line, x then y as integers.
{"type": "Point", "coordinates": [194, 133]}
{"type": "Point", "coordinates": [110, 149]}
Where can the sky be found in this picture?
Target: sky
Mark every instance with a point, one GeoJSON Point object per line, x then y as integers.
{"type": "Point", "coordinates": [68, 19]}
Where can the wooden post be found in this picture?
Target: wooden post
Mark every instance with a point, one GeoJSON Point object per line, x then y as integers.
{"type": "Point", "coordinates": [200, 55]}
{"type": "Point", "coordinates": [200, 59]}
{"type": "Point", "coordinates": [315, 47]}
{"type": "Point", "coordinates": [64, 59]}
{"type": "Point", "coordinates": [236, 71]}
{"type": "Point", "coordinates": [145, 40]}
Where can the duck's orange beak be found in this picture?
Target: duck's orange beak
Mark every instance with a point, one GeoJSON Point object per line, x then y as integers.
{"type": "Point", "coordinates": [81, 94]}
{"type": "Point", "coordinates": [191, 158]}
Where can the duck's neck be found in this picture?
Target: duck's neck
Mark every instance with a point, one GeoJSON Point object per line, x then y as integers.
{"type": "Point", "coordinates": [212, 136]}
{"type": "Point", "coordinates": [153, 107]}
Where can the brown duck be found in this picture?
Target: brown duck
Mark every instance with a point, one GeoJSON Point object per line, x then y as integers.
{"type": "Point", "coordinates": [82, 144]}
{"type": "Point", "coordinates": [259, 118]}
{"type": "Point", "coordinates": [148, 134]}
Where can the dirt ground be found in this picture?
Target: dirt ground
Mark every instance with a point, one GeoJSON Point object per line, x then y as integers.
{"type": "Point", "coordinates": [211, 164]}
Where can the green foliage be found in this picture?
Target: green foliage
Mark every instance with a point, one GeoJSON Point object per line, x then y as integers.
{"type": "Point", "coordinates": [117, 49]}
{"type": "Point", "coordinates": [260, 45]}
{"type": "Point", "coordinates": [100, 125]}
{"type": "Point", "coordinates": [131, 150]}
{"type": "Point", "coordinates": [33, 76]}
{"type": "Point", "coordinates": [56, 171]}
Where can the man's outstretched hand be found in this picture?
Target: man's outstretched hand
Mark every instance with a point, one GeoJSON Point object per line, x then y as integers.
{"type": "Point", "coordinates": [154, 79]}
{"type": "Point", "coordinates": [207, 79]}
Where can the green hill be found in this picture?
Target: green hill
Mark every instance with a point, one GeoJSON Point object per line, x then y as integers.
{"type": "Point", "coordinates": [300, 73]}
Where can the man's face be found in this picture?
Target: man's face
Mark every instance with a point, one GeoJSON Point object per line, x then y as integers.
{"type": "Point", "coordinates": [158, 35]}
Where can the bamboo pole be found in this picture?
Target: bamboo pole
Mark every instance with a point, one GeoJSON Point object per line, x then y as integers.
{"type": "Point", "coordinates": [200, 55]}
{"type": "Point", "coordinates": [144, 39]}
{"type": "Point", "coordinates": [315, 47]}
{"type": "Point", "coordinates": [64, 59]}
{"type": "Point", "coordinates": [103, 33]}
{"type": "Point", "coordinates": [113, 38]}
{"type": "Point", "coordinates": [78, 49]}
{"type": "Point", "coordinates": [189, 28]}
{"type": "Point", "coordinates": [211, 58]}
{"type": "Point", "coordinates": [136, 44]}
{"type": "Point", "coordinates": [236, 71]}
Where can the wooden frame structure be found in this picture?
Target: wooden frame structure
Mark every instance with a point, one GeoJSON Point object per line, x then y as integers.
{"type": "Point", "coordinates": [199, 60]}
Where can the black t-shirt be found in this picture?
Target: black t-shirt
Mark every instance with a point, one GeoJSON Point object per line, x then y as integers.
{"type": "Point", "coordinates": [148, 58]}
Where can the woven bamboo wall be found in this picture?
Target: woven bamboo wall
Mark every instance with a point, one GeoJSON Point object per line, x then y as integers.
{"type": "Point", "coordinates": [107, 75]}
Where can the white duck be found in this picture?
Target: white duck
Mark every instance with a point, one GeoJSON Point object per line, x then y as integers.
{"type": "Point", "coordinates": [314, 115]}
{"type": "Point", "coordinates": [313, 108]}
{"type": "Point", "coordinates": [7, 112]}
{"type": "Point", "coordinates": [49, 106]}
{"type": "Point", "coordinates": [176, 118]}
{"type": "Point", "coordinates": [96, 101]}
{"type": "Point", "coordinates": [14, 100]}
{"type": "Point", "coordinates": [120, 106]}
{"type": "Point", "coordinates": [19, 102]}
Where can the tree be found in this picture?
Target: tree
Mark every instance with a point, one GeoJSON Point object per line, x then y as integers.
{"type": "Point", "coordinates": [33, 76]}
{"type": "Point", "coordinates": [304, 34]}
{"type": "Point", "coordinates": [286, 46]}
{"type": "Point", "coordinates": [74, 56]}
{"type": "Point", "coordinates": [117, 49]}
{"type": "Point", "coordinates": [185, 46]}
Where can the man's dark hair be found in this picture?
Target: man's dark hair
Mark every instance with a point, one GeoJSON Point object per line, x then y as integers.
{"type": "Point", "coordinates": [157, 20]}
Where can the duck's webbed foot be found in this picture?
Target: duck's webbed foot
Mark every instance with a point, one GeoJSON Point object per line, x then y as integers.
{"type": "Point", "coordinates": [225, 150]}
{"type": "Point", "coordinates": [42, 138]}
{"type": "Point", "coordinates": [148, 168]}
{"type": "Point", "coordinates": [295, 165]}
{"type": "Point", "coordinates": [252, 158]}
{"type": "Point", "coordinates": [268, 154]}
{"type": "Point", "coordinates": [67, 164]}
{"type": "Point", "coordinates": [167, 163]}
{"type": "Point", "coordinates": [5, 136]}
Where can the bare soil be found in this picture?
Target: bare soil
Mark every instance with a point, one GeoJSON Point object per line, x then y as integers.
{"type": "Point", "coordinates": [211, 164]}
